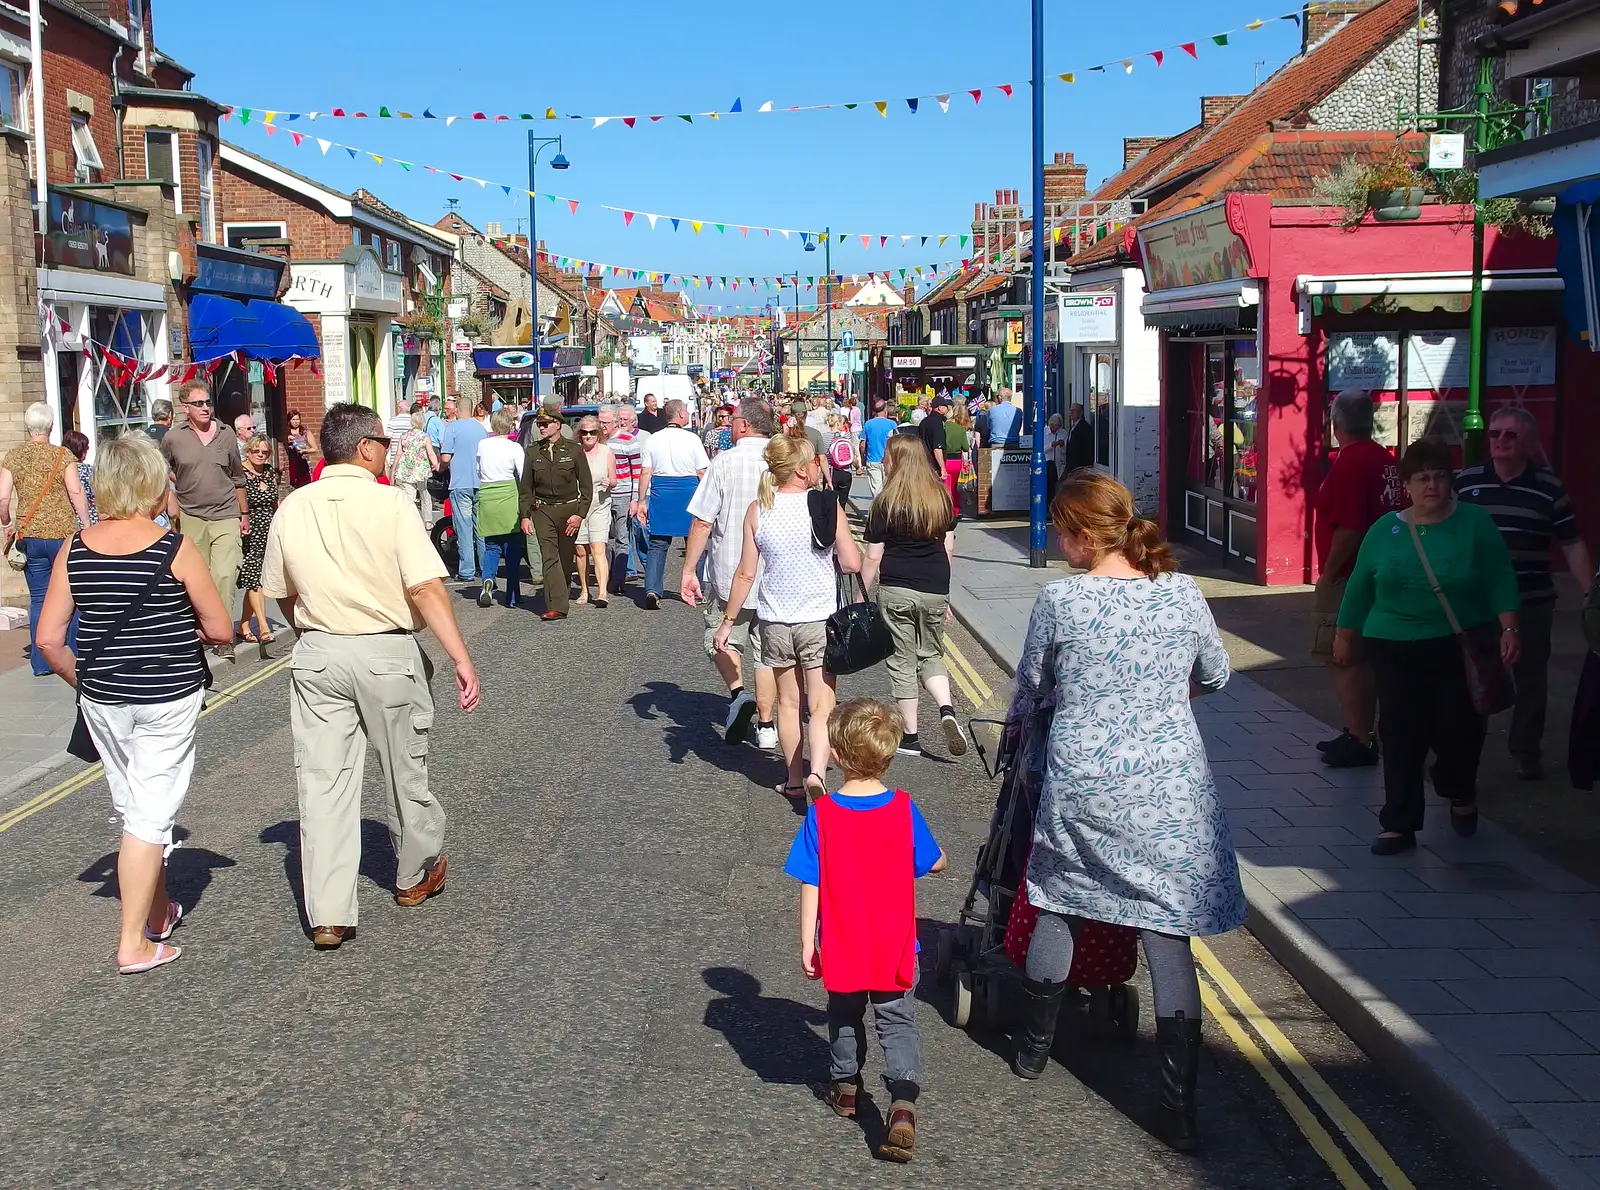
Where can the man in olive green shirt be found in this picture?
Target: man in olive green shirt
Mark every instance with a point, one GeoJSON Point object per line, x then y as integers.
{"type": "Point", "coordinates": [557, 492]}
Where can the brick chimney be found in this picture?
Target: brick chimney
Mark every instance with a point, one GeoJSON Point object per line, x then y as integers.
{"type": "Point", "coordinates": [1065, 180]}
{"type": "Point", "coordinates": [1214, 109]}
{"type": "Point", "coordinates": [1135, 147]}
{"type": "Point", "coordinates": [910, 293]}
{"type": "Point", "coordinates": [1320, 19]}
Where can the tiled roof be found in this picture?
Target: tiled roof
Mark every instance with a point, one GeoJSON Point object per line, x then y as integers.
{"type": "Point", "coordinates": [368, 199]}
{"type": "Point", "coordinates": [987, 284]}
{"type": "Point", "coordinates": [1146, 165]}
{"type": "Point", "coordinates": [948, 288]}
{"type": "Point", "coordinates": [1300, 85]}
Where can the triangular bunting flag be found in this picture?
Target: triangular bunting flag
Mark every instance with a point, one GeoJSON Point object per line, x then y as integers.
{"type": "Point", "coordinates": [850, 107]}
{"type": "Point", "coordinates": [376, 158]}
{"type": "Point", "coordinates": [272, 130]}
{"type": "Point", "coordinates": [1127, 66]}
{"type": "Point", "coordinates": [737, 106]}
{"type": "Point", "coordinates": [351, 151]}
{"type": "Point", "coordinates": [383, 113]}
{"type": "Point", "coordinates": [1255, 24]}
{"type": "Point", "coordinates": [1220, 39]}
{"type": "Point", "coordinates": [628, 120]}
{"type": "Point", "coordinates": [652, 219]}
{"type": "Point", "coordinates": [674, 223]}
{"type": "Point", "coordinates": [1069, 78]}
{"type": "Point", "coordinates": [765, 107]}
{"type": "Point", "coordinates": [244, 115]}
{"type": "Point", "coordinates": [324, 145]}
{"type": "Point", "coordinates": [944, 102]}
{"type": "Point", "coordinates": [912, 104]}
{"type": "Point", "coordinates": [479, 116]}
{"type": "Point", "coordinates": [687, 119]}
{"type": "Point", "coordinates": [977, 96]}
{"type": "Point", "coordinates": [549, 113]}
{"type": "Point", "coordinates": [449, 120]}
{"type": "Point", "coordinates": [1006, 87]}
{"type": "Point", "coordinates": [1189, 48]}
{"type": "Point", "coordinates": [572, 205]}
{"type": "Point", "coordinates": [599, 120]}
{"type": "Point", "coordinates": [1159, 55]}
{"type": "Point", "coordinates": [507, 189]}
{"type": "Point", "coordinates": [427, 114]}
{"type": "Point", "coordinates": [297, 137]}
{"type": "Point", "coordinates": [697, 225]}
{"type": "Point", "coordinates": [866, 241]}
{"type": "Point", "coordinates": [882, 106]}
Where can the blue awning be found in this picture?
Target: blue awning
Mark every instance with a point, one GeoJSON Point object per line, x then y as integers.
{"type": "Point", "coordinates": [220, 326]}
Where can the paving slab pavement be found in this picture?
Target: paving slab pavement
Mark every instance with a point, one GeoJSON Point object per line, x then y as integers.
{"type": "Point", "coordinates": [1470, 968]}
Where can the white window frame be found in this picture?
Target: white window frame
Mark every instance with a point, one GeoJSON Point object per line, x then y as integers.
{"type": "Point", "coordinates": [136, 34]}
{"type": "Point", "coordinates": [177, 162]}
{"type": "Point", "coordinates": [19, 100]}
{"type": "Point", "coordinates": [85, 151]}
{"type": "Point", "coordinates": [204, 161]}
{"type": "Point", "coordinates": [254, 225]}
{"type": "Point", "coordinates": [391, 255]}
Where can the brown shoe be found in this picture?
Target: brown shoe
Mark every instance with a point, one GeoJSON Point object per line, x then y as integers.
{"type": "Point", "coordinates": [842, 1098]}
{"type": "Point", "coordinates": [430, 884]}
{"type": "Point", "coordinates": [554, 615]}
{"type": "Point", "coordinates": [901, 1135]}
{"type": "Point", "coordinates": [330, 937]}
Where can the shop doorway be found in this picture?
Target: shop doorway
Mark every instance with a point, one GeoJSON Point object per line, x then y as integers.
{"type": "Point", "coordinates": [1218, 445]}
{"type": "Point", "coordinates": [1098, 384]}
{"type": "Point", "coordinates": [364, 366]}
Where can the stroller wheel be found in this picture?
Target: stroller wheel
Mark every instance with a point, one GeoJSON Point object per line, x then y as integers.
{"type": "Point", "coordinates": [943, 951]}
{"type": "Point", "coordinates": [961, 1011]}
{"type": "Point", "coordinates": [1125, 1010]}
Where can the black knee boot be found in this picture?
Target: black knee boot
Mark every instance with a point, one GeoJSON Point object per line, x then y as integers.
{"type": "Point", "coordinates": [1178, 1039]}
{"type": "Point", "coordinates": [1036, 1031]}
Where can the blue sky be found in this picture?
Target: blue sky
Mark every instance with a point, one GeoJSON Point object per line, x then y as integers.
{"type": "Point", "coordinates": [851, 170]}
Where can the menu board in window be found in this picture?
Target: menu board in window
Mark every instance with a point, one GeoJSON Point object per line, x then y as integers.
{"type": "Point", "coordinates": [1367, 360]}
{"type": "Point", "coordinates": [1438, 360]}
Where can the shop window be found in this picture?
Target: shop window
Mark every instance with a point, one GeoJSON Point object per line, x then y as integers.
{"type": "Point", "coordinates": [208, 216]}
{"type": "Point", "coordinates": [391, 255]}
{"type": "Point", "coordinates": [11, 94]}
{"type": "Point", "coordinates": [1100, 384]}
{"type": "Point", "coordinates": [235, 235]}
{"type": "Point", "coordinates": [1243, 462]}
{"type": "Point", "coordinates": [1208, 416]}
{"type": "Point", "coordinates": [86, 152]}
{"type": "Point", "coordinates": [161, 162]}
{"type": "Point", "coordinates": [120, 405]}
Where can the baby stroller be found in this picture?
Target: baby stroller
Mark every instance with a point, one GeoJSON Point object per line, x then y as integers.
{"type": "Point", "coordinates": [983, 954]}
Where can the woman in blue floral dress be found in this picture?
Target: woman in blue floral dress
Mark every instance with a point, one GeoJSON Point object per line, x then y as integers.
{"type": "Point", "coordinates": [1130, 829]}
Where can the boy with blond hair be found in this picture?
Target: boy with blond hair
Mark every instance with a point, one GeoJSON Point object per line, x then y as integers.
{"type": "Point", "coordinates": [858, 857]}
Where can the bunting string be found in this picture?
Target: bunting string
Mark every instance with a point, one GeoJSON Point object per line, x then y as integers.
{"type": "Point", "coordinates": [600, 271]}
{"type": "Point", "coordinates": [632, 215]}
{"type": "Point", "coordinates": [913, 104]}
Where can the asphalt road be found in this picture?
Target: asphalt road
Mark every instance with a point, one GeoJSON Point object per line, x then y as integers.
{"type": "Point", "coordinates": [607, 992]}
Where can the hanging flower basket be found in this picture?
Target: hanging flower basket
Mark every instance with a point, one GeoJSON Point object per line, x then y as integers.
{"type": "Point", "coordinates": [1396, 205]}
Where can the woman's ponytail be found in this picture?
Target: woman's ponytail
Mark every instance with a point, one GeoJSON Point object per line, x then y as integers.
{"type": "Point", "coordinates": [1145, 549]}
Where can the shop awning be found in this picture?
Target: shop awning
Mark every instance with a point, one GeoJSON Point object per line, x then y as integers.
{"type": "Point", "coordinates": [1578, 258]}
{"type": "Point", "coordinates": [1221, 305]}
{"type": "Point", "coordinates": [1450, 291]}
{"type": "Point", "coordinates": [220, 326]}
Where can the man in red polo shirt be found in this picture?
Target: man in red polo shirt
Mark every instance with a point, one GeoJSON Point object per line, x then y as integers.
{"type": "Point", "coordinates": [1362, 485]}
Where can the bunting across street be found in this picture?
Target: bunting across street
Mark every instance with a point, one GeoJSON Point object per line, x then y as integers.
{"type": "Point", "coordinates": [602, 270]}
{"type": "Point", "coordinates": [912, 105]}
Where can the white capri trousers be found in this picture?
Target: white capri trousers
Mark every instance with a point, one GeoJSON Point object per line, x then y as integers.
{"type": "Point", "coordinates": [148, 753]}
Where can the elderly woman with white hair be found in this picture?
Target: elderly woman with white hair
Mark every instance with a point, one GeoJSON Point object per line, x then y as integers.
{"type": "Point", "coordinates": [51, 504]}
{"type": "Point", "coordinates": [145, 601]}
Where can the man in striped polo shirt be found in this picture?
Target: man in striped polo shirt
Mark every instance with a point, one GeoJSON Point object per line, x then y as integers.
{"type": "Point", "coordinates": [1529, 504]}
{"type": "Point", "coordinates": [621, 425]}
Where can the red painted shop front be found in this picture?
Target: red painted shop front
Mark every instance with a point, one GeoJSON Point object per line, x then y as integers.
{"type": "Point", "coordinates": [1266, 312]}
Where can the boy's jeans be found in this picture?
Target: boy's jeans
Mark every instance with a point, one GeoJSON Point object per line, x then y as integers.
{"type": "Point", "coordinates": [895, 1016]}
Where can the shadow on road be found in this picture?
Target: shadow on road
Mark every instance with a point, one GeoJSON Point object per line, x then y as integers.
{"type": "Point", "coordinates": [188, 872]}
{"type": "Point", "coordinates": [690, 718]}
{"type": "Point", "coordinates": [377, 859]}
{"type": "Point", "coordinates": [771, 1035]}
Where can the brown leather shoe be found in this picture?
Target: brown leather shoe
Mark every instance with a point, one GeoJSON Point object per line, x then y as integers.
{"type": "Point", "coordinates": [430, 884]}
{"type": "Point", "coordinates": [330, 937]}
{"type": "Point", "coordinates": [554, 615]}
{"type": "Point", "coordinates": [842, 1098]}
{"type": "Point", "coordinates": [900, 1137]}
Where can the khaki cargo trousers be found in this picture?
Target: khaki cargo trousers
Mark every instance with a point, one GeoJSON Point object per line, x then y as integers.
{"type": "Point", "coordinates": [346, 692]}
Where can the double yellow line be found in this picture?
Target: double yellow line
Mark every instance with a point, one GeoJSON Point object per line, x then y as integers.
{"type": "Point", "coordinates": [95, 771]}
{"type": "Point", "coordinates": [966, 676]}
{"type": "Point", "coordinates": [1356, 1134]}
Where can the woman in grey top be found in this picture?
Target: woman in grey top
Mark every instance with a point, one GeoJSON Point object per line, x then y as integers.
{"type": "Point", "coordinates": [1130, 829]}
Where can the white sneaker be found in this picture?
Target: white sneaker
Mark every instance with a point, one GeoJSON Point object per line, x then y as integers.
{"type": "Point", "coordinates": [954, 737]}
{"type": "Point", "coordinates": [767, 739]}
{"type": "Point", "coordinates": [741, 709]}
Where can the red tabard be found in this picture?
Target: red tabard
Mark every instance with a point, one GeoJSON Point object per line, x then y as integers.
{"type": "Point", "coordinates": [868, 896]}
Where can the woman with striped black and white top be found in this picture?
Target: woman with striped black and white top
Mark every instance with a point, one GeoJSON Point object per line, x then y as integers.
{"type": "Point", "coordinates": [144, 601]}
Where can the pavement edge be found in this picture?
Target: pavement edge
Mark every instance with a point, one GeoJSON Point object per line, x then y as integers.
{"type": "Point", "coordinates": [1512, 1152]}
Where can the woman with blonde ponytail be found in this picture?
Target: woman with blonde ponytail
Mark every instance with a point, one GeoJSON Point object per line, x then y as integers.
{"type": "Point", "coordinates": [793, 542]}
{"type": "Point", "coordinates": [1130, 829]}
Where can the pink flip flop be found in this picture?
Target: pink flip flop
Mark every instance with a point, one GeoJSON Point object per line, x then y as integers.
{"type": "Point", "coordinates": [164, 954]}
{"type": "Point", "coordinates": [174, 916]}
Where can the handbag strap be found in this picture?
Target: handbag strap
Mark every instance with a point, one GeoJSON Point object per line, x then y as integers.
{"type": "Point", "coordinates": [85, 662]}
{"type": "Point", "coordinates": [1433, 579]}
{"type": "Point", "coordinates": [38, 501]}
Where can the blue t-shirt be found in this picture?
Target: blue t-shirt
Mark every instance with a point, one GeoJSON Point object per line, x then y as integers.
{"type": "Point", "coordinates": [805, 862]}
{"type": "Point", "coordinates": [876, 435]}
{"type": "Point", "coordinates": [434, 428]}
{"type": "Point", "coordinates": [461, 438]}
{"type": "Point", "coordinates": [1004, 424]}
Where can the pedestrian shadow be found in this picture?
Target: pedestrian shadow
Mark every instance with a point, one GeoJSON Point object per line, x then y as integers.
{"type": "Point", "coordinates": [188, 872]}
{"type": "Point", "coordinates": [772, 1036]}
{"type": "Point", "coordinates": [690, 716]}
{"type": "Point", "coordinates": [377, 860]}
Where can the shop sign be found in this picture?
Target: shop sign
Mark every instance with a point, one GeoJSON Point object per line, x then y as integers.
{"type": "Point", "coordinates": [514, 360]}
{"type": "Point", "coordinates": [456, 309]}
{"type": "Point", "coordinates": [966, 361]}
{"type": "Point", "coordinates": [1010, 480]}
{"type": "Point", "coordinates": [1087, 318]}
{"type": "Point", "coordinates": [307, 284]}
{"type": "Point", "coordinates": [905, 361]}
{"type": "Point", "coordinates": [1447, 150]}
{"type": "Point", "coordinates": [368, 282]}
{"type": "Point", "coordinates": [1194, 249]}
{"type": "Point", "coordinates": [424, 384]}
{"type": "Point", "coordinates": [1014, 336]}
{"type": "Point", "coordinates": [335, 366]}
{"type": "Point", "coordinates": [1437, 360]}
{"type": "Point", "coordinates": [1367, 360]}
{"type": "Point", "coordinates": [89, 235]}
{"type": "Point", "coordinates": [240, 278]}
{"type": "Point", "coordinates": [461, 345]}
{"type": "Point", "coordinates": [1520, 357]}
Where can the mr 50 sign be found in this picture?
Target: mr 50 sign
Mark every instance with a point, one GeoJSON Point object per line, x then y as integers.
{"type": "Point", "coordinates": [1088, 318]}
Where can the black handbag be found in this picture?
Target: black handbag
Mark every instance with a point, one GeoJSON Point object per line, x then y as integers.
{"type": "Point", "coordinates": [858, 636]}
{"type": "Point", "coordinates": [81, 743]}
{"type": "Point", "coordinates": [439, 484]}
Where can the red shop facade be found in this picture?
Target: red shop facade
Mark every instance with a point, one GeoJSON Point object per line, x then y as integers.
{"type": "Point", "coordinates": [1267, 312]}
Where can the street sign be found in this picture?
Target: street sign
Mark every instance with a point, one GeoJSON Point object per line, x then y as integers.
{"type": "Point", "coordinates": [847, 340]}
{"type": "Point", "coordinates": [1447, 150]}
{"type": "Point", "coordinates": [461, 345]}
{"type": "Point", "coordinates": [1087, 318]}
{"type": "Point", "coordinates": [456, 309]}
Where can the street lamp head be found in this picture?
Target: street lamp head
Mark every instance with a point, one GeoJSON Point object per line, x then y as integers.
{"type": "Point", "coordinates": [559, 161]}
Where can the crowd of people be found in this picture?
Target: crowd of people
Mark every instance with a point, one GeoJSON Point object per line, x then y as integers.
{"type": "Point", "coordinates": [1435, 593]}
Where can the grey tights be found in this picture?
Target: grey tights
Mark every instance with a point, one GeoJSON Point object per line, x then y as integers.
{"type": "Point", "coordinates": [1177, 989]}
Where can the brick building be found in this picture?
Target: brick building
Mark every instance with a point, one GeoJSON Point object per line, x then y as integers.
{"type": "Point", "coordinates": [370, 282]}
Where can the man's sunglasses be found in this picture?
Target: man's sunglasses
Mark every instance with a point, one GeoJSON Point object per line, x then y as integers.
{"type": "Point", "coordinates": [379, 438]}
{"type": "Point", "coordinates": [198, 404]}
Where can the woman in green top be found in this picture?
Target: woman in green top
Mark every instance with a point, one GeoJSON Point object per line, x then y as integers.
{"type": "Point", "coordinates": [1390, 611]}
{"type": "Point", "coordinates": [957, 438]}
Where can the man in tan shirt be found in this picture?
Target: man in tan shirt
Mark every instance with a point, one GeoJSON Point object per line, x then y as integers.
{"type": "Point", "coordinates": [350, 564]}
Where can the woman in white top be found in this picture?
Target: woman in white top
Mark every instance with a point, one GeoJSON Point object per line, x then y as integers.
{"type": "Point", "coordinates": [798, 591]}
{"type": "Point", "coordinates": [595, 531]}
{"type": "Point", "coordinates": [500, 462]}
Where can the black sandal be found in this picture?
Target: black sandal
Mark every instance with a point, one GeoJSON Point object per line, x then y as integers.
{"type": "Point", "coordinates": [793, 792]}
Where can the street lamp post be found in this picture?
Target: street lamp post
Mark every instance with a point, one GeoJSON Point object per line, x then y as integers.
{"type": "Point", "coordinates": [536, 146]}
{"type": "Point", "coordinates": [1038, 510]}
